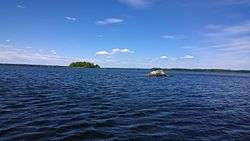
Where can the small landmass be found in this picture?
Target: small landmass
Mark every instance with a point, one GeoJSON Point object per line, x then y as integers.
{"type": "Point", "coordinates": [83, 65]}
{"type": "Point", "coordinates": [157, 72]}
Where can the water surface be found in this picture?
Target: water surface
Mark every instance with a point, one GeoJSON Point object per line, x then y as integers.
{"type": "Point", "coordinates": [60, 103]}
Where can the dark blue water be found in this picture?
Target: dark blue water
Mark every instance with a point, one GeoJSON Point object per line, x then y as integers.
{"type": "Point", "coordinates": [53, 103]}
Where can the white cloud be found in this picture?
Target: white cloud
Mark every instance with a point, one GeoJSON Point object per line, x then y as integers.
{"type": "Point", "coordinates": [168, 36]}
{"type": "Point", "coordinates": [187, 57]}
{"type": "Point", "coordinates": [237, 29]}
{"type": "Point", "coordinates": [20, 6]}
{"type": "Point", "coordinates": [188, 47]}
{"type": "Point", "coordinates": [164, 57]}
{"type": "Point", "coordinates": [53, 52]}
{"type": "Point", "coordinates": [114, 51]}
{"type": "Point", "coordinates": [7, 40]}
{"type": "Point", "coordinates": [122, 50]}
{"type": "Point", "coordinates": [220, 30]}
{"type": "Point", "coordinates": [137, 3]}
{"type": "Point", "coordinates": [15, 55]}
{"type": "Point", "coordinates": [229, 38]}
{"type": "Point", "coordinates": [224, 46]}
{"type": "Point", "coordinates": [71, 18]}
{"type": "Point", "coordinates": [173, 36]}
{"type": "Point", "coordinates": [109, 21]}
{"type": "Point", "coordinates": [103, 52]}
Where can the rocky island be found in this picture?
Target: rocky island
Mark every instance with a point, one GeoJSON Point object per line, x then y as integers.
{"type": "Point", "coordinates": [157, 72]}
{"type": "Point", "coordinates": [83, 65]}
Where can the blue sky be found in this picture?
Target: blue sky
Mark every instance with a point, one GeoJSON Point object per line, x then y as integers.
{"type": "Point", "coordinates": [127, 33]}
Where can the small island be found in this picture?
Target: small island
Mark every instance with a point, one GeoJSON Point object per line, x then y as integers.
{"type": "Point", "coordinates": [157, 72]}
{"type": "Point", "coordinates": [83, 65]}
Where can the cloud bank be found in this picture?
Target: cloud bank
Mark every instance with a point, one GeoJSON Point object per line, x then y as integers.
{"type": "Point", "coordinates": [12, 54]}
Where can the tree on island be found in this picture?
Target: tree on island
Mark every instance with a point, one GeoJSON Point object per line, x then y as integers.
{"type": "Point", "coordinates": [84, 65]}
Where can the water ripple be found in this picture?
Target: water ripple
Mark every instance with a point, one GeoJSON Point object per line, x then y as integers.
{"type": "Point", "coordinates": [41, 103]}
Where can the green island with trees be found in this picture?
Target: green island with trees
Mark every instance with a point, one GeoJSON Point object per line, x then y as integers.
{"type": "Point", "coordinates": [83, 65]}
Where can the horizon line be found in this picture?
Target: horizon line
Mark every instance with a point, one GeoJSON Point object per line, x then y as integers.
{"type": "Point", "coordinates": [190, 69]}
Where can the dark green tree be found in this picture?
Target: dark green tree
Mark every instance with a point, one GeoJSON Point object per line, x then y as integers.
{"type": "Point", "coordinates": [84, 65]}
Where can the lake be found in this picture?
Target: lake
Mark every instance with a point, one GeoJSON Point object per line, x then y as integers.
{"type": "Point", "coordinates": [60, 103]}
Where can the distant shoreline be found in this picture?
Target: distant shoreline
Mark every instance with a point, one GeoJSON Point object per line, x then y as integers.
{"type": "Point", "coordinates": [209, 70]}
{"type": "Point", "coordinates": [168, 69]}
